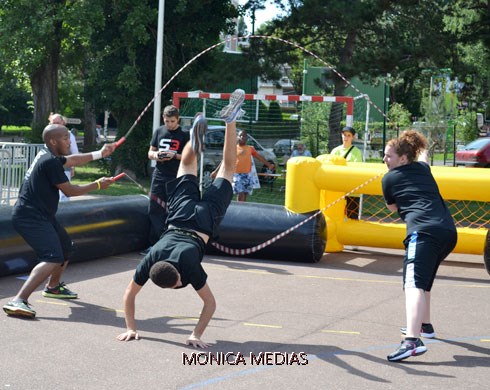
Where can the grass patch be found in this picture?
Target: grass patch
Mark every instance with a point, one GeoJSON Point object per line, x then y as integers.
{"type": "Point", "coordinates": [269, 193]}
{"type": "Point", "coordinates": [92, 171]}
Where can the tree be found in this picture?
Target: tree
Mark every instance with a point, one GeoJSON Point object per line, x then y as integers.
{"type": "Point", "coordinates": [36, 48]}
{"type": "Point", "coordinates": [469, 20]}
{"type": "Point", "coordinates": [368, 39]}
{"type": "Point", "coordinates": [14, 108]}
{"type": "Point", "coordinates": [121, 67]}
{"type": "Point", "coordinates": [399, 116]}
{"type": "Point", "coordinates": [106, 49]}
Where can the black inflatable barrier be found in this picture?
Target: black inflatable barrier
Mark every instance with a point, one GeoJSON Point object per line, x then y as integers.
{"type": "Point", "coordinates": [486, 252]}
{"type": "Point", "coordinates": [108, 226]}
{"type": "Point", "coordinates": [100, 227]}
{"type": "Point", "coordinates": [248, 224]}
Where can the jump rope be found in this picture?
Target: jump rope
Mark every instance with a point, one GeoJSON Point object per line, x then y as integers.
{"type": "Point", "coordinates": [246, 251]}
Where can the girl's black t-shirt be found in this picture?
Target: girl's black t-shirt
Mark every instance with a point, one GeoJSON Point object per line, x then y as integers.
{"type": "Point", "coordinates": [415, 192]}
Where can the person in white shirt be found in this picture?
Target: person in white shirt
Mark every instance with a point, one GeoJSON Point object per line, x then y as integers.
{"type": "Point", "coordinates": [58, 119]}
{"type": "Point", "coordinates": [301, 151]}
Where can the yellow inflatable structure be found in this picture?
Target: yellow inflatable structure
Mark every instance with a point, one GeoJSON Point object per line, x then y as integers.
{"type": "Point", "coordinates": [322, 183]}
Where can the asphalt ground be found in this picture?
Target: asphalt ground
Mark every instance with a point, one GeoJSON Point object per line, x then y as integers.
{"type": "Point", "coordinates": [289, 325]}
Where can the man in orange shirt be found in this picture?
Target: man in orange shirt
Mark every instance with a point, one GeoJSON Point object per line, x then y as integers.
{"type": "Point", "coordinates": [242, 179]}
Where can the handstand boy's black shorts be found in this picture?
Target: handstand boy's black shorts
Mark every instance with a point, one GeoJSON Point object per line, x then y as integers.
{"type": "Point", "coordinates": [187, 210]}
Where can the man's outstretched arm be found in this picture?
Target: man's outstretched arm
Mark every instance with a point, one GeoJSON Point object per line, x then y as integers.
{"type": "Point", "coordinates": [129, 301]}
{"type": "Point", "coordinates": [206, 314]}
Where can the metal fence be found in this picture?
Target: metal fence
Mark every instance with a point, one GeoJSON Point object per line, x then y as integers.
{"type": "Point", "coordinates": [15, 160]}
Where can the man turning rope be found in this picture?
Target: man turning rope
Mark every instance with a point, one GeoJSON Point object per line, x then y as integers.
{"type": "Point", "coordinates": [34, 215]}
{"type": "Point", "coordinates": [175, 260]}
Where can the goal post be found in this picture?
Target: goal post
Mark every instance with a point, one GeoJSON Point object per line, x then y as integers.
{"type": "Point", "coordinates": [348, 100]}
{"type": "Point", "coordinates": [278, 121]}
{"type": "Point", "coordinates": [275, 123]}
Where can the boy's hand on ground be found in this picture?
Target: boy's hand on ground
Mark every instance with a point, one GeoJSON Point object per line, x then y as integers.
{"type": "Point", "coordinates": [196, 342]}
{"type": "Point", "coordinates": [128, 335]}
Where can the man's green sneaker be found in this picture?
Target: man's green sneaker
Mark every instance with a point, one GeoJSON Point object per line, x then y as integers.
{"type": "Point", "coordinates": [60, 292]}
{"type": "Point", "coordinates": [19, 309]}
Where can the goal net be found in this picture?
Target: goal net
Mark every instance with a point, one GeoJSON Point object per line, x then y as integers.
{"type": "Point", "coordinates": [275, 125]}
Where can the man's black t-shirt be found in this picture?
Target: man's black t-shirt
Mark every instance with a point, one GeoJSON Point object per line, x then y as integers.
{"type": "Point", "coordinates": [38, 192]}
{"type": "Point", "coordinates": [184, 252]}
{"type": "Point", "coordinates": [413, 189]}
{"type": "Point", "coordinates": [166, 140]}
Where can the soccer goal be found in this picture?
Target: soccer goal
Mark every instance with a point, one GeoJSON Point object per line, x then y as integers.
{"type": "Point", "coordinates": [275, 125]}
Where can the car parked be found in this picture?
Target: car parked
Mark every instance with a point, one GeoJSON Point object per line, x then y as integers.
{"type": "Point", "coordinates": [213, 154]}
{"type": "Point", "coordinates": [284, 146]}
{"type": "Point", "coordinates": [475, 154]}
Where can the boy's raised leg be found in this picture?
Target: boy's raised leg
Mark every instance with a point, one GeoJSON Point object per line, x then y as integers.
{"type": "Point", "coordinates": [229, 114]}
{"type": "Point", "coordinates": [188, 161]}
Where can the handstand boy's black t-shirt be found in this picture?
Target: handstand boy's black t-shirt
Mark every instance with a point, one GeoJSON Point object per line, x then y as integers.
{"type": "Point", "coordinates": [184, 252]}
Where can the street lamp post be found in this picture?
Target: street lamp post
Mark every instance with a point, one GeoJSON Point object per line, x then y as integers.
{"type": "Point", "coordinates": [157, 104]}
{"type": "Point", "coordinates": [386, 99]}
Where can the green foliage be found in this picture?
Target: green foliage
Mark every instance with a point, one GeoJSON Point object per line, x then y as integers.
{"type": "Point", "coordinates": [468, 19]}
{"type": "Point", "coordinates": [14, 100]}
{"type": "Point", "coordinates": [399, 116]}
{"type": "Point", "coordinates": [103, 53]}
{"type": "Point", "coordinates": [14, 130]}
{"type": "Point", "coordinates": [122, 69]}
{"type": "Point", "coordinates": [54, 36]}
{"type": "Point", "coordinates": [314, 126]}
{"type": "Point", "coordinates": [263, 112]}
{"type": "Point", "coordinates": [133, 153]}
{"type": "Point", "coordinates": [466, 127]}
{"type": "Point", "coordinates": [71, 93]}
{"type": "Point", "coordinates": [274, 112]}
{"type": "Point", "coordinates": [35, 136]}
{"type": "Point", "coordinates": [373, 39]}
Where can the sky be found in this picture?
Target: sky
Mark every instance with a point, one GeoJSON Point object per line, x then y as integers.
{"type": "Point", "coordinates": [261, 16]}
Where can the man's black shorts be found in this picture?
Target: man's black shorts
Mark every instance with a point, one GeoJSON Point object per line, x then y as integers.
{"type": "Point", "coordinates": [48, 238]}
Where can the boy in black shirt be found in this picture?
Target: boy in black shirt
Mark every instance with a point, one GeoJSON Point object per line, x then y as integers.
{"type": "Point", "coordinates": [34, 213]}
{"type": "Point", "coordinates": [175, 260]}
{"type": "Point", "coordinates": [166, 146]}
{"type": "Point", "coordinates": [410, 189]}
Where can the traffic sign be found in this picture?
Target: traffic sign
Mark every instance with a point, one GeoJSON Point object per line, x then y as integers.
{"type": "Point", "coordinates": [73, 121]}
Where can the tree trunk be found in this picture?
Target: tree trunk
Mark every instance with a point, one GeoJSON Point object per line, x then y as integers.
{"type": "Point", "coordinates": [336, 114]}
{"type": "Point", "coordinates": [334, 137]}
{"type": "Point", "coordinates": [44, 83]}
{"type": "Point", "coordinates": [89, 124]}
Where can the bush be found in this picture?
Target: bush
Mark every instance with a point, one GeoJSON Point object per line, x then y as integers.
{"type": "Point", "coordinates": [20, 131]}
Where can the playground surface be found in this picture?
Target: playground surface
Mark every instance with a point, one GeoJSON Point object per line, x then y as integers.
{"type": "Point", "coordinates": [278, 324]}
